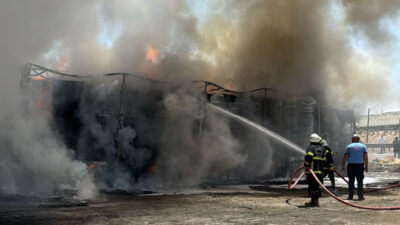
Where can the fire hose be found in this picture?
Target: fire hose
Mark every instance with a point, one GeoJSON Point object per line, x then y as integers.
{"type": "Point", "coordinates": [291, 187]}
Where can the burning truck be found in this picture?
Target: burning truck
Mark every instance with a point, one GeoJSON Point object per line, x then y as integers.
{"type": "Point", "coordinates": [115, 123]}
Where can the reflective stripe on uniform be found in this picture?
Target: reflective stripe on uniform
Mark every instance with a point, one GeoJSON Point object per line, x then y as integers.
{"type": "Point", "coordinates": [317, 172]}
{"type": "Point", "coordinates": [310, 153]}
{"type": "Point", "coordinates": [329, 166]}
{"type": "Point", "coordinates": [319, 158]}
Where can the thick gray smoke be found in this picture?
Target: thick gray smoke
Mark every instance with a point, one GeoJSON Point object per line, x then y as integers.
{"type": "Point", "coordinates": [34, 161]}
{"type": "Point", "coordinates": [303, 46]}
{"type": "Point", "coordinates": [296, 46]}
{"type": "Point", "coordinates": [195, 145]}
{"type": "Point", "coordinates": [299, 46]}
{"type": "Point", "coordinates": [367, 15]}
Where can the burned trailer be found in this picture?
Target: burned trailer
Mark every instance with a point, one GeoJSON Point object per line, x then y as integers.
{"type": "Point", "coordinates": [265, 157]}
{"type": "Point", "coordinates": [293, 116]}
{"type": "Point", "coordinates": [113, 123]}
{"type": "Point", "coordinates": [101, 118]}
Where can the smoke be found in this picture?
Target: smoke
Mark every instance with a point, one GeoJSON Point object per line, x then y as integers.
{"type": "Point", "coordinates": [194, 145]}
{"type": "Point", "coordinates": [295, 46]}
{"type": "Point", "coordinates": [34, 162]}
{"type": "Point", "coordinates": [368, 16]}
{"type": "Point", "coordinates": [300, 46]}
{"type": "Point", "coordinates": [304, 46]}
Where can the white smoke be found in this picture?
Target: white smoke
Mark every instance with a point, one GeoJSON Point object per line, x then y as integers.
{"type": "Point", "coordinates": [35, 162]}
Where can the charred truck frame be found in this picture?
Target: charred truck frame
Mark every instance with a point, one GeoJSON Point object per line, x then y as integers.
{"type": "Point", "coordinates": [84, 121]}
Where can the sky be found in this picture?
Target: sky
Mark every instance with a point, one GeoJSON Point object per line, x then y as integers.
{"type": "Point", "coordinates": [360, 43]}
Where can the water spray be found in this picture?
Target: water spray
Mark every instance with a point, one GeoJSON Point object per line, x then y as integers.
{"type": "Point", "coordinates": [259, 128]}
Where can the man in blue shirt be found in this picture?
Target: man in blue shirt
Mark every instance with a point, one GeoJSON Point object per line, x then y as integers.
{"type": "Point", "coordinates": [357, 157]}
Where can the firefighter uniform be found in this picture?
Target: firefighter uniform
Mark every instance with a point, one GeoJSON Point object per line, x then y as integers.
{"type": "Point", "coordinates": [329, 165]}
{"type": "Point", "coordinates": [315, 159]}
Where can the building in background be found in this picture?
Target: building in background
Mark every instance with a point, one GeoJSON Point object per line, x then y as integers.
{"type": "Point", "coordinates": [109, 120]}
{"type": "Point", "coordinates": [386, 124]}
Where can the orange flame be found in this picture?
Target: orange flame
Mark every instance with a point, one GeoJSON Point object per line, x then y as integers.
{"type": "Point", "coordinates": [38, 77]}
{"type": "Point", "coordinates": [152, 54]}
{"type": "Point", "coordinates": [63, 64]}
{"type": "Point", "coordinates": [92, 166]}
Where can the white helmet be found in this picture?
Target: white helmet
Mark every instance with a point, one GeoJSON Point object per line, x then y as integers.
{"type": "Point", "coordinates": [324, 143]}
{"type": "Point", "coordinates": [315, 138]}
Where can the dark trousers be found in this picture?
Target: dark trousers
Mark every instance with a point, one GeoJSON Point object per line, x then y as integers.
{"type": "Point", "coordinates": [313, 187]}
{"type": "Point", "coordinates": [356, 171]}
{"type": "Point", "coordinates": [330, 174]}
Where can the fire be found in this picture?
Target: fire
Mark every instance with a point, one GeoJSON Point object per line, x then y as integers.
{"type": "Point", "coordinates": [149, 64]}
{"type": "Point", "coordinates": [38, 77]}
{"type": "Point", "coordinates": [62, 64]}
{"type": "Point", "coordinates": [91, 166]}
{"type": "Point", "coordinates": [152, 54]}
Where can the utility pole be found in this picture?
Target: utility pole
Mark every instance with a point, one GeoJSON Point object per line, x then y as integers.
{"type": "Point", "coordinates": [399, 128]}
{"type": "Point", "coordinates": [368, 124]}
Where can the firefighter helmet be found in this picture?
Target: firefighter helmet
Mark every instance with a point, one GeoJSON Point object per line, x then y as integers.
{"type": "Point", "coordinates": [315, 138]}
{"type": "Point", "coordinates": [324, 143]}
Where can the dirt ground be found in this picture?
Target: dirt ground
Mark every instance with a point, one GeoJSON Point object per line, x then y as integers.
{"type": "Point", "coordinates": [227, 205]}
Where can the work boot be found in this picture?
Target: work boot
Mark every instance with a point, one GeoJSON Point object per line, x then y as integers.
{"type": "Point", "coordinates": [311, 204]}
{"type": "Point", "coordinates": [333, 185]}
{"type": "Point", "coordinates": [350, 198]}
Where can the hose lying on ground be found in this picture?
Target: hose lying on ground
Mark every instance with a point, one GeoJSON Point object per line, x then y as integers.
{"type": "Point", "coordinates": [291, 187]}
{"type": "Point", "coordinates": [368, 190]}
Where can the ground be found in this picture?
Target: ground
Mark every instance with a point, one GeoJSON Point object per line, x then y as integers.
{"type": "Point", "coordinates": [221, 205]}
{"type": "Point", "coordinates": [228, 204]}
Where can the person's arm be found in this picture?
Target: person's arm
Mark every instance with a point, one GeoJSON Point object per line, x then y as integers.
{"type": "Point", "coordinates": [345, 157]}
{"type": "Point", "coordinates": [366, 161]}
{"type": "Point", "coordinates": [329, 160]}
{"type": "Point", "coordinates": [308, 159]}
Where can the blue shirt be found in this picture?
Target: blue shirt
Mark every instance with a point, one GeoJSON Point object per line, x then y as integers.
{"type": "Point", "coordinates": [356, 152]}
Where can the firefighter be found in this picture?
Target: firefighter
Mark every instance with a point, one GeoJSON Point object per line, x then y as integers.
{"type": "Point", "coordinates": [329, 165]}
{"type": "Point", "coordinates": [314, 159]}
